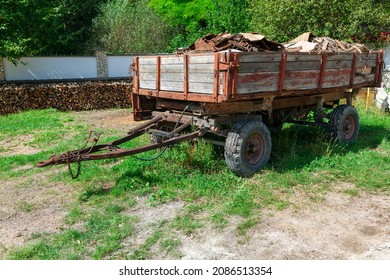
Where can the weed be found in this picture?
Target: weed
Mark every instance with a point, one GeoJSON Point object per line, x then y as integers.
{"type": "Point", "coordinates": [25, 206]}
{"type": "Point", "coordinates": [186, 223]}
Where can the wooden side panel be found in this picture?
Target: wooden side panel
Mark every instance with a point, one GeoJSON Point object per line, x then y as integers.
{"type": "Point", "coordinates": [258, 82]}
{"type": "Point", "coordinates": [201, 74]}
{"type": "Point", "coordinates": [147, 72]}
{"type": "Point", "coordinates": [336, 78]}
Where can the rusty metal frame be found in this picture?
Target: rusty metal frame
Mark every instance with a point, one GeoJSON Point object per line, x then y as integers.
{"type": "Point", "coordinates": [353, 69]}
{"type": "Point", "coordinates": [186, 76]}
{"type": "Point", "coordinates": [282, 73]}
{"type": "Point", "coordinates": [112, 149]}
{"type": "Point", "coordinates": [324, 58]}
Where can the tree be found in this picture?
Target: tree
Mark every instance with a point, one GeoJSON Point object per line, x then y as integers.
{"type": "Point", "coordinates": [195, 18]}
{"type": "Point", "coordinates": [125, 26]}
{"type": "Point", "coordinates": [283, 20]}
{"type": "Point", "coordinates": [45, 27]}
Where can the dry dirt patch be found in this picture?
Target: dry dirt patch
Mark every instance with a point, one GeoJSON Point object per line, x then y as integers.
{"type": "Point", "coordinates": [341, 227]}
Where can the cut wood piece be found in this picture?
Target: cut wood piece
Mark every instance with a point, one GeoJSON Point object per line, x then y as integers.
{"type": "Point", "coordinates": [206, 88]}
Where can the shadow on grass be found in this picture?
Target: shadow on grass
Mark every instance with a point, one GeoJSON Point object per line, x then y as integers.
{"type": "Point", "coordinates": [297, 146]}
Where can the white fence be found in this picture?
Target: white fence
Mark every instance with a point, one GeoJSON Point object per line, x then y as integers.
{"type": "Point", "coordinates": [66, 68]}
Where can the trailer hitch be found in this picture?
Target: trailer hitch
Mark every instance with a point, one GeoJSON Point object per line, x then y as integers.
{"type": "Point", "coordinates": [113, 150]}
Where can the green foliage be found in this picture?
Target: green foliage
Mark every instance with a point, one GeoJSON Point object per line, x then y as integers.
{"type": "Point", "coordinates": [195, 18]}
{"type": "Point", "coordinates": [285, 19]}
{"type": "Point", "coordinates": [45, 27]}
{"type": "Point", "coordinates": [126, 26]}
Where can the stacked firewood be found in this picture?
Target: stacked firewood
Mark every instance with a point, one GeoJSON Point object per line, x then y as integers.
{"type": "Point", "coordinates": [75, 96]}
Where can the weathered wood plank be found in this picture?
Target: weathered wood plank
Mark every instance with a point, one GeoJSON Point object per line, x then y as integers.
{"type": "Point", "coordinates": [206, 88]}
{"type": "Point", "coordinates": [257, 83]}
{"type": "Point", "coordinates": [173, 68]}
{"type": "Point", "coordinates": [368, 56]}
{"type": "Point", "coordinates": [306, 65]}
{"type": "Point", "coordinates": [201, 59]}
{"type": "Point", "coordinates": [297, 84]}
{"type": "Point", "coordinates": [257, 77]}
{"type": "Point", "coordinates": [338, 64]}
{"type": "Point", "coordinates": [201, 68]}
{"type": "Point", "coordinates": [147, 76]}
{"type": "Point", "coordinates": [147, 68]}
{"type": "Point", "coordinates": [147, 60]}
{"type": "Point", "coordinates": [364, 79]}
{"type": "Point", "coordinates": [202, 77]}
{"type": "Point", "coordinates": [340, 56]}
{"type": "Point", "coordinates": [166, 77]}
{"type": "Point", "coordinates": [336, 78]}
{"type": "Point", "coordinates": [258, 67]}
{"type": "Point", "coordinates": [172, 86]}
{"type": "Point", "coordinates": [147, 84]}
{"type": "Point", "coordinates": [302, 75]}
{"type": "Point", "coordinates": [172, 60]}
{"type": "Point", "coordinates": [365, 62]}
{"type": "Point", "coordinates": [259, 57]}
{"type": "Point", "coordinates": [303, 57]}
{"type": "Point", "coordinates": [255, 87]}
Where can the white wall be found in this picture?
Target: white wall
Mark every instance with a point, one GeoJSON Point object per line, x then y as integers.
{"type": "Point", "coordinates": [68, 68]}
{"type": "Point", "coordinates": [119, 66]}
{"type": "Point", "coordinates": [51, 68]}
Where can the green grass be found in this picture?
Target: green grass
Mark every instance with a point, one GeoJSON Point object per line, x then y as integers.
{"type": "Point", "coordinates": [303, 160]}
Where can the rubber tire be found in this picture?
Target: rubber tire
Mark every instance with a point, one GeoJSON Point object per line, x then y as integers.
{"type": "Point", "coordinates": [337, 121]}
{"type": "Point", "coordinates": [235, 147]}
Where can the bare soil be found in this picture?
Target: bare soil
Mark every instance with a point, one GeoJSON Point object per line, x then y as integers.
{"type": "Point", "coordinates": [338, 226]}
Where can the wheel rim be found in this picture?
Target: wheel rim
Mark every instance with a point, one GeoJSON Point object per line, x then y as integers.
{"type": "Point", "coordinates": [349, 127]}
{"type": "Point", "coordinates": [254, 148]}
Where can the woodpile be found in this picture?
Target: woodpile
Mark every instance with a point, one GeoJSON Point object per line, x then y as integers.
{"type": "Point", "coordinates": [245, 42]}
{"type": "Point", "coordinates": [65, 96]}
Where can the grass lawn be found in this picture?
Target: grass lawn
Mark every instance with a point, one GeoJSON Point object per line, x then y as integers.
{"type": "Point", "coordinates": [99, 218]}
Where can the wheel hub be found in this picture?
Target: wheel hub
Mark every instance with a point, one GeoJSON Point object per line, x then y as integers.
{"type": "Point", "coordinates": [349, 127]}
{"type": "Point", "coordinates": [254, 149]}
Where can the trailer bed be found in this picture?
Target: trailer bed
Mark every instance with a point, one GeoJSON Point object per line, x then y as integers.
{"type": "Point", "coordinates": [234, 76]}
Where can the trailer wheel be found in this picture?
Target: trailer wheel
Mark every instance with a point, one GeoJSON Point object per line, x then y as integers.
{"type": "Point", "coordinates": [248, 147]}
{"type": "Point", "coordinates": [344, 124]}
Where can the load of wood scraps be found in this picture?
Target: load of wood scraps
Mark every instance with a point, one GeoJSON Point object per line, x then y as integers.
{"type": "Point", "coordinates": [307, 42]}
{"type": "Point", "coordinates": [254, 42]}
{"type": "Point", "coordinates": [245, 42]}
{"type": "Point", "coordinates": [88, 95]}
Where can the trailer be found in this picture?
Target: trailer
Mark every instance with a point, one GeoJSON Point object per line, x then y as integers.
{"type": "Point", "coordinates": [234, 99]}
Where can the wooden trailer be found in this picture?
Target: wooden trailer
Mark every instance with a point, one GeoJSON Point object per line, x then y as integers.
{"type": "Point", "coordinates": [238, 97]}
{"type": "Point", "coordinates": [234, 99]}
